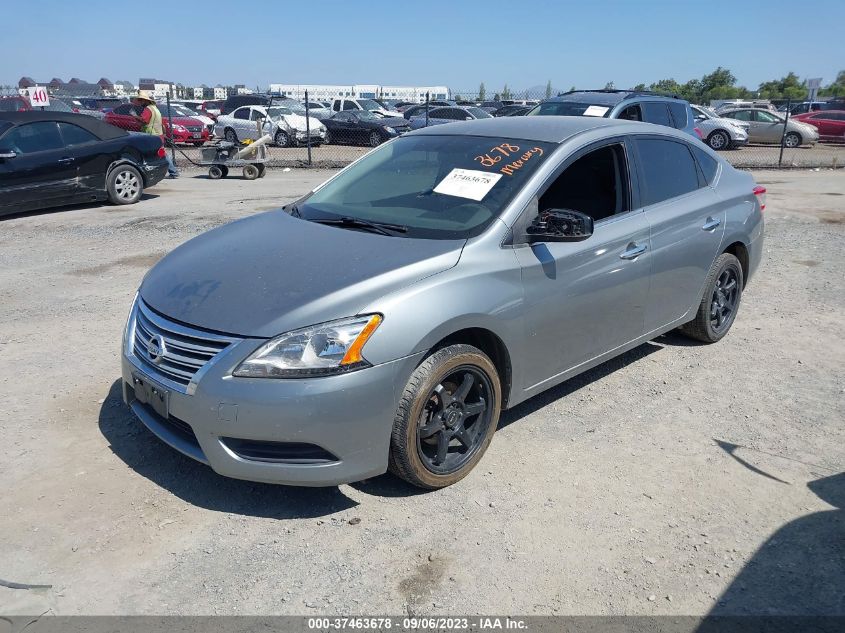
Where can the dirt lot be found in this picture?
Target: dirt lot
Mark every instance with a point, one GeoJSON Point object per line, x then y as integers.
{"type": "Point", "coordinates": [672, 480]}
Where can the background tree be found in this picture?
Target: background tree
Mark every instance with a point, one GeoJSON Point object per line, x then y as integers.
{"type": "Point", "coordinates": [666, 87]}
{"type": "Point", "coordinates": [548, 88]}
{"type": "Point", "coordinates": [609, 86]}
{"type": "Point", "coordinates": [506, 92]}
{"type": "Point", "coordinates": [789, 87]}
{"type": "Point", "coordinates": [836, 89]}
{"type": "Point", "coordinates": [482, 92]}
{"type": "Point", "coordinates": [639, 88]}
{"type": "Point", "coordinates": [572, 89]}
{"type": "Point", "coordinates": [458, 97]}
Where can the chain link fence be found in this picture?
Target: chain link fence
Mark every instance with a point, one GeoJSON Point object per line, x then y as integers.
{"type": "Point", "coordinates": [311, 132]}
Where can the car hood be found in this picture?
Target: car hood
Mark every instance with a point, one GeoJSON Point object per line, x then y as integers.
{"type": "Point", "coordinates": [297, 121]}
{"type": "Point", "coordinates": [272, 273]}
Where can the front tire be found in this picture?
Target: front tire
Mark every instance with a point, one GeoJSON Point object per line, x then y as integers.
{"type": "Point", "coordinates": [446, 417]}
{"type": "Point", "coordinates": [719, 140]}
{"type": "Point", "coordinates": [230, 135]}
{"type": "Point", "coordinates": [250, 172]}
{"type": "Point", "coordinates": [375, 139]}
{"type": "Point", "coordinates": [328, 138]}
{"type": "Point", "coordinates": [282, 139]}
{"type": "Point", "coordinates": [720, 301]}
{"type": "Point", "coordinates": [125, 185]}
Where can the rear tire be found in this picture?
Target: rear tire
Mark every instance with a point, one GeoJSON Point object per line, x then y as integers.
{"type": "Point", "coordinates": [250, 172]}
{"type": "Point", "coordinates": [230, 135]}
{"type": "Point", "coordinates": [215, 172]}
{"type": "Point", "coordinates": [439, 405]}
{"type": "Point", "coordinates": [124, 185]}
{"type": "Point", "coordinates": [262, 170]}
{"type": "Point", "coordinates": [720, 301]}
{"type": "Point", "coordinates": [792, 140]}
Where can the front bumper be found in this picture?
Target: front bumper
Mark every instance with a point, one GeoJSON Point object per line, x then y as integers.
{"type": "Point", "coordinates": [348, 416]}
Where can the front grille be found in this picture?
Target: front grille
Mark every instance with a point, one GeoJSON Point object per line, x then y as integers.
{"type": "Point", "coordinates": [177, 352]}
{"type": "Point", "coordinates": [194, 128]}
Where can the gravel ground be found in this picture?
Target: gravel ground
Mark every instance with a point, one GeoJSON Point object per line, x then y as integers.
{"type": "Point", "coordinates": [676, 479]}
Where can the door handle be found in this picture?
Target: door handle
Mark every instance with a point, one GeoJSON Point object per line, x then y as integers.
{"type": "Point", "coordinates": [634, 251]}
{"type": "Point", "coordinates": [711, 224]}
{"type": "Point", "coordinates": [65, 161]}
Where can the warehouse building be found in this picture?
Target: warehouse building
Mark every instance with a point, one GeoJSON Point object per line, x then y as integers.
{"type": "Point", "coordinates": [323, 92]}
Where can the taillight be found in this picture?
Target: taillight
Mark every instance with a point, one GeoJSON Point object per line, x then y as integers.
{"type": "Point", "coordinates": [760, 192]}
{"type": "Point", "coordinates": [161, 153]}
{"type": "Point", "coordinates": [700, 135]}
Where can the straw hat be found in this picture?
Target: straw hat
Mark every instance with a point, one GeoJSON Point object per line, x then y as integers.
{"type": "Point", "coordinates": [142, 95]}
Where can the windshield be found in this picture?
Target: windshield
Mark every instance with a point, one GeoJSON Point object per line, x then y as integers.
{"type": "Point", "coordinates": [364, 115]}
{"type": "Point", "coordinates": [569, 108]}
{"type": "Point", "coordinates": [369, 104]}
{"type": "Point", "coordinates": [708, 112]}
{"type": "Point", "coordinates": [478, 113]}
{"type": "Point", "coordinates": [440, 187]}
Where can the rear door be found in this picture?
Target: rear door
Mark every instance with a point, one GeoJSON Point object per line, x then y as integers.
{"type": "Point", "coordinates": [42, 172]}
{"type": "Point", "coordinates": [241, 122]}
{"type": "Point", "coordinates": [656, 112]}
{"type": "Point", "coordinates": [687, 223]}
{"type": "Point", "coordinates": [767, 126]}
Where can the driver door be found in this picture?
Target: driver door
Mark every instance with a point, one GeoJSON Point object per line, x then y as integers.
{"type": "Point", "coordinates": [586, 298]}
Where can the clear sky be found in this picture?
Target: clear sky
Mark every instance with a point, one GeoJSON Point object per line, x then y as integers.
{"type": "Point", "coordinates": [457, 43]}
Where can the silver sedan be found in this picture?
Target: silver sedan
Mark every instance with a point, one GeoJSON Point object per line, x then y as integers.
{"type": "Point", "coordinates": [765, 126]}
{"type": "Point", "coordinates": [718, 132]}
{"type": "Point", "coordinates": [387, 318]}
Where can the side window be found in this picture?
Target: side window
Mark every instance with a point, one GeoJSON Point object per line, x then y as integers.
{"type": "Point", "coordinates": [679, 114]}
{"type": "Point", "coordinates": [336, 105]}
{"type": "Point", "coordinates": [765, 117]}
{"type": "Point", "coordinates": [350, 105]}
{"type": "Point", "coordinates": [75, 135]}
{"type": "Point", "coordinates": [668, 169]}
{"type": "Point", "coordinates": [631, 113]}
{"type": "Point", "coordinates": [741, 115]}
{"type": "Point", "coordinates": [595, 184]}
{"type": "Point", "coordinates": [241, 113]}
{"type": "Point", "coordinates": [709, 165]}
{"type": "Point", "coordinates": [34, 137]}
{"type": "Point", "coordinates": [656, 112]}
{"type": "Point", "coordinates": [256, 114]}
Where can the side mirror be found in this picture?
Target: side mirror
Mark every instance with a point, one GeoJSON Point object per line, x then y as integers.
{"type": "Point", "coordinates": [7, 153]}
{"type": "Point", "coordinates": [560, 225]}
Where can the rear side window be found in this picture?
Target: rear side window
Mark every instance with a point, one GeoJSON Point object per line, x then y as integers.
{"type": "Point", "coordinates": [33, 137]}
{"type": "Point", "coordinates": [75, 135]}
{"type": "Point", "coordinates": [350, 105]}
{"type": "Point", "coordinates": [668, 169]}
{"type": "Point", "coordinates": [679, 114]}
{"type": "Point", "coordinates": [656, 113]}
{"type": "Point", "coordinates": [709, 165]}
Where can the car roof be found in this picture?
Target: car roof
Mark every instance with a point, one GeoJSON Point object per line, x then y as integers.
{"type": "Point", "coordinates": [548, 129]}
{"type": "Point", "coordinates": [97, 127]}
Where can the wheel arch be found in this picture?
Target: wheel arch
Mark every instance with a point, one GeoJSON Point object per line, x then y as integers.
{"type": "Point", "coordinates": [126, 159]}
{"type": "Point", "coordinates": [739, 250]}
{"type": "Point", "coordinates": [489, 343]}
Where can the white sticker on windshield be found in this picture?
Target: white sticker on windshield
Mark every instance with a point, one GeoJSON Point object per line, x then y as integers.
{"type": "Point", "coordinates": [595, 111]}
{"type": "Point", "coordinates": [467, 183]}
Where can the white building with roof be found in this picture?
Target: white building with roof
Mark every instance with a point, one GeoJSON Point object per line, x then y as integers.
{"type": "Point", "coordinates": [325, 92]}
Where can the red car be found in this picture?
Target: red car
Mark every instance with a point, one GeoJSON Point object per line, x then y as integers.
{"type": "Point", "coordinates": [186, 130]}
{"type": "Point", "coordinates": [830, 123]}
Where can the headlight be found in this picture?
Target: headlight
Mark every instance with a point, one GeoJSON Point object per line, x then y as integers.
{"type": "Point", "coordinates": [390, 130]}
{"type": "Point", "coordinates": [319, 350]}
{"type": "Point", "coordinates": [179, 128]}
